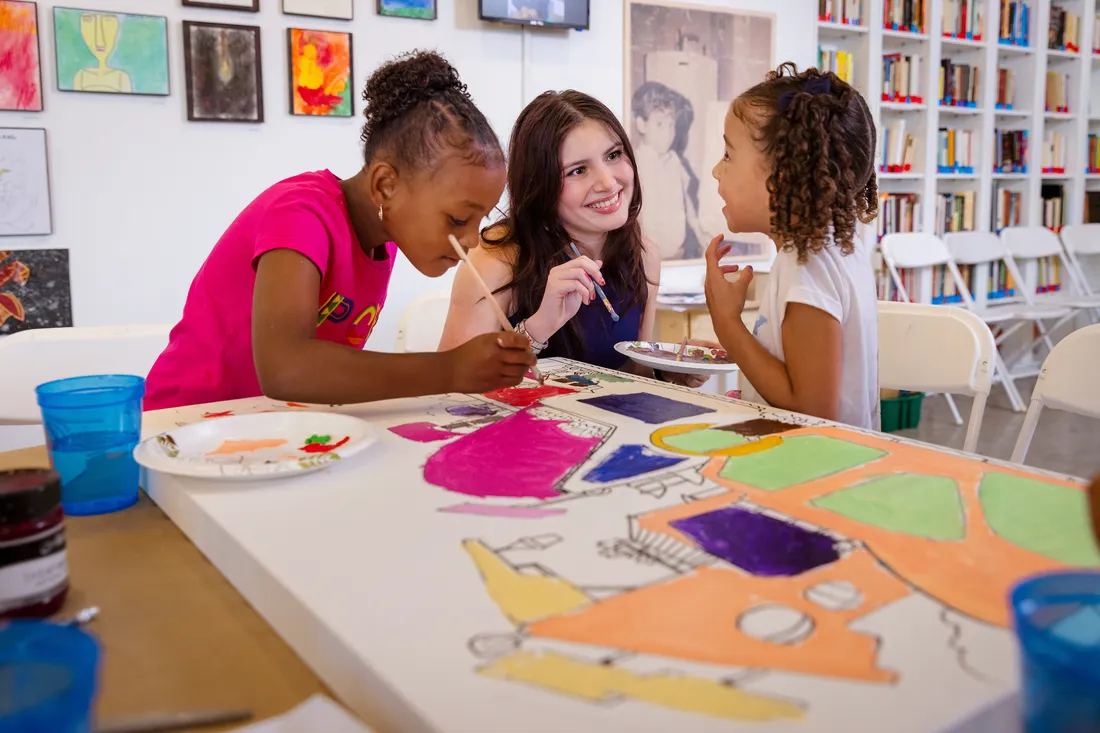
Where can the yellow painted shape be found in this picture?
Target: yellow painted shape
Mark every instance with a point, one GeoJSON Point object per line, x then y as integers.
{"type": "Point", "coordinates": [659, 438]}
{"type": "Point", "coordinates": [233, 447]}
{"type": "Point", "coordinates": [520, 597]}
{"type": "Point", "coordinates": [598, 682]}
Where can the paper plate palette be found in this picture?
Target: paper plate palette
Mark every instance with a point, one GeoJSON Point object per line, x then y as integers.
{"type": "Point", "coordinates": [254, 447]}
{"type": "Point", "coordinates": [696, 359]}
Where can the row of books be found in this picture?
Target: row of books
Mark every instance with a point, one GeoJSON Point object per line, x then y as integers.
{"type": "Point", "coordinates": [944, 289]}
{"type": "Point", "coordinates": [901, 78]}
{"type": "Point", "coordinates": [1006, 88]}
{"type": "Point", "coordinates": [1054, 152]}
{"type": "Point", "coordinates": [1092, 165]}
{"type": "Point", "coordinates": [896, 148]}
{"type": "Point", "coordinates": [904, 15]}
{"type": "Point", "coordinates": [955, 151]}
{"type": "Point", "coordinates": [1001, 283]}
{"type": "Point", "coordinates": [1015, 23]}
{"type": "Point", "coordinates": [1057, 98]}
{"type": "Point", "coordinates": [1049, 275]}
{"type": "Point", "coordinates": [958, 84]}
{"type": "Point", "coordinates": [898, 213]}
{"type": "Point", "coordinates": [1063, 32]}
{"type": "Point", "coordinates": [962, 19]}
{"type": "Point", "coordinates": [848, 12]}
{"type": "Point", "coordinates": [841, 63]}
{"type": "Point", "coordinates": [955, 212]}
{"type": "Point", "coordinates": [1010, 151]}
{"type": "Point", "coordinates": [1054, 205]}
{"type": "Point", "coordinates": [1007, 209]}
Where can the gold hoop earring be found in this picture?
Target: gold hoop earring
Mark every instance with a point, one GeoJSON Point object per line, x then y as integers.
{"type": "Point", "coordinates": [379, 212]}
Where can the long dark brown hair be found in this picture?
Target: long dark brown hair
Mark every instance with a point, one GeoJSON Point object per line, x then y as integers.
{"type": "Point", "coordinates": [819, 136]}
{"type": "Point", "coordinates": [532, 226]}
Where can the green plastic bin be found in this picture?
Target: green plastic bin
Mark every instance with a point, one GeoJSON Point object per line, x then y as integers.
{"type": "Point", "coordinates": [901, 412]}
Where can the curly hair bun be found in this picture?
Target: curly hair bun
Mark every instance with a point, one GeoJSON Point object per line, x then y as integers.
{"type": "Point", "coordinates": [405, 81]}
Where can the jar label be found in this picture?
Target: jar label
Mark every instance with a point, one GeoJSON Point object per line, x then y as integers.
{"type": "Point", "coordinates": [33, 571]}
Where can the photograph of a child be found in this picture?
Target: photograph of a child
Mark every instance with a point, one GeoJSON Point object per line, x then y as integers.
{"type": "Point", "coordinates": [565, 12]}
{"type": "Point", "coordinates": [684, 65]}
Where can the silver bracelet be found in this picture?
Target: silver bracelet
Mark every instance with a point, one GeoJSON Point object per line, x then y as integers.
{"type": "Point", "coordinates": [536, 346]}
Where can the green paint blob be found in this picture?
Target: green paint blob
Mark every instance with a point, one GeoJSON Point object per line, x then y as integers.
{"type": "Point", "coordinates": [707, 439]}
{"type": "Point", "coordinates": [1048, 519]}
{"type": "Point", "coordinates": [922, 506]}
{"type": "Point", "coordinates": [322, 439]}
{"type": "Point", "coordinates": [601, 377]}
{"type": "Point", "coordinates": [798, 460]}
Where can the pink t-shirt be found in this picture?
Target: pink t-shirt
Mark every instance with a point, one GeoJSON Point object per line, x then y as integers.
{"type": "Point", "coordinates": [209, 353]}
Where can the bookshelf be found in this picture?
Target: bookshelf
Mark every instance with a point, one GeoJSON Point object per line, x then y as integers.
{"type": "Point", "coordinates": [1007, 96]}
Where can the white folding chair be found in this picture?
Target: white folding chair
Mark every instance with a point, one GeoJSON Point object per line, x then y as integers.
{"type": "Point", "coordinates": [30, 358]}
{"type": "Point", "coordinates": [920, 251]}
{"type": "Point", "coordinates": [1037, 244]}
{"type": "Point", "coordinates": [1067, 382]}
{"type": "Point", "coordinates": [1082, 240]}
{"type": "Point", "coordinates": [931, 348]}
{"type": "Point", "coordinates": [422, 321]}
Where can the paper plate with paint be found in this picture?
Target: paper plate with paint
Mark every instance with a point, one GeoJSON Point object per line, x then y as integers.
{"type": "Point", "coordinates": [695, 360]}
{"type": "Point", "coordinates": [254, 447]}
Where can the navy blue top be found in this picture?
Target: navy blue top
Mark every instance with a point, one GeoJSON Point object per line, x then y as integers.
{"type": "Point", "coordinates": [599, 333]}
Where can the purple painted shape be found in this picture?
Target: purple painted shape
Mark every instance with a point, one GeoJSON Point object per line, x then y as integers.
{"type": "Point", "coordinates": [519, 456]}
{"type": "Point", "coordinates": [422, 432]}
{"type": "Point", "coordinates": [472, 410]}
{"type": "Point", "coordinates": [512, 512]}
{"type": "Point", "coordinates": [758, 543]}
{"type": "Point", "coordinates": [647, 407]}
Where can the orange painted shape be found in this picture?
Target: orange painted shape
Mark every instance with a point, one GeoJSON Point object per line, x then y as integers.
{"type": "Point", "coordinates": [297, 404]}
{"type": "Point", "coordinates": [695, 617]}
{"type": "Point", "coordinates": [973, 576]}
{"type": "Point", "coordinates": [233, 447]}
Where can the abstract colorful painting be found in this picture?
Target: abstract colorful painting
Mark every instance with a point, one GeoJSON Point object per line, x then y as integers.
{"type": "Point", "coordinates": [223, 72]}
{"type": "Point", "coordinates": [113, 53]}
{"type": "Point", "coordinates": [421, 9]}
{"type": "Point", "coordinates": [320, 73]}
{"type": "Point", "coordinates": [338, 9]}
{"type": "Point", "coordinates": [24, 183]}
{"type": "Point", "coordinates": [20, 64]}
{"type": "Point", "coordinates": [34, 290]}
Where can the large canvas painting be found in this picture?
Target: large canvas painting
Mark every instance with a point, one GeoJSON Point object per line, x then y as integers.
{"type": "Point", "coordinates": [421, 9]}
{"type": "Point", "coordinates": [24, 183]}
{"type": "Point", "coordinates": [684, 64]}
{"type": "Point", "coordinates": [114, 53]}
{"type": "Point", "coordinates": [320, 73]}
{"type": "Point", "coordinates": [20, 63]}
{"type": "Point", "coordinates": [34, 290]}
{"type": "Point", "coordinates": [338, 9]}
{"type": "Point", "coordinates": [223, 72]}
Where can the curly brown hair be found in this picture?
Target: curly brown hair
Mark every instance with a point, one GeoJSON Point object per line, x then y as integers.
{"type": "Point", "coordinates": [818, 133]}
{"type": "Point", "coordinates": [417, 109]}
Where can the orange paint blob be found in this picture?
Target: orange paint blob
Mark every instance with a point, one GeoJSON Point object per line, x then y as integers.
{"type": "Point", "coordinates": [233, 447]}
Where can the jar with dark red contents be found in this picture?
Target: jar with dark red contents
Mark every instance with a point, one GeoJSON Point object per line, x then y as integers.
{"type": "Point", "coordinates": [34, 569]}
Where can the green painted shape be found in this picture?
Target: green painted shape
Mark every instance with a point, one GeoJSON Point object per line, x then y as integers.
{"type": "Point", "coordinates": [1048, 519]}
{"type": "Point", "coordinates": [707, 439]}
{"type": "Point", "coordinates": [798, 460]}
{"type": "Point", "coordinates": [141, 50]}
{"type": "Point", "coordinates": [601, 377]}
{"type": "Point", "coordinates": [910, 503]}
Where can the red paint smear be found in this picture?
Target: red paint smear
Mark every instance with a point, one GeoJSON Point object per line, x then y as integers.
{"type": "Point", "coordinates": [295, 404]}
{"type": "Point", "coordinates": [526, 396]}
{"type": "Point", "coordinates": [209, 415]}
{"type": "Point", "coordinates": [422, 432]}
{"type": "Point", "coordinates": [19, 66]}
{"type": "Point", "coordinates": [318, 97]}
{"type": "Point", "coordinates": [519, 456]}
{"type": "Point", "coordinates": [321, 448]}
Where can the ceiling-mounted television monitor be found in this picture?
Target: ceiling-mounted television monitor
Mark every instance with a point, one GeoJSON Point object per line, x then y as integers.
{"type": "Point", "coordinates": [542, 13]}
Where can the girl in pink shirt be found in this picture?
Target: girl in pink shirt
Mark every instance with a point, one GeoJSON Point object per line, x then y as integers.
{"type": "Point", "coordinates": [290, 293]}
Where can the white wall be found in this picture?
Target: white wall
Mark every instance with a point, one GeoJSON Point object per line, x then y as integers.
{"type": "Point", "coordinates": [140, 195]}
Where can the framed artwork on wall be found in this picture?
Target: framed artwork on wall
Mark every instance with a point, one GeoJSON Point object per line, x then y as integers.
{"type": "Point", "coordinates": [223, 71]}
{"type": "Point", "coordinates": [338, 9]}
{"type": "Point", "coordinates": [419, 9]}
{"type": "Point", "coordinates": [320, 73]}
{"type": "Point", "coordinates": [34, 290]}
{"type": "Point", "coordinates": [25, 183]}
{"type": "Point", "coordinates": [684, 64]}
{"type": "Point", "coordinates": [249, 6]}
{"type": "Point", "coordinates": [20, 57]}
{"type": "Point", "coordinates": [110, 53]}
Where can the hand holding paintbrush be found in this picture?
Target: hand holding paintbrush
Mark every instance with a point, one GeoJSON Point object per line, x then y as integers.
{"type": "Point", "coordinates": [599, 290]}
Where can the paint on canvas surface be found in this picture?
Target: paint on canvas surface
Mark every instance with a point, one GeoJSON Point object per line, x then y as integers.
{"type": "Point", "coordinates": [24, 183]}
{"type": "Point", "coordinates": [320, 73]}
{"type": "Point", "coordinates": [423, 9]}
{"type": "Point", "coordinates": [20, 65]}
{"type": "Point", "coordinates": [34, 290]}
{"type": "Point", "coordinates": [115, 53]}
{"type": "Point", "coordinates": [223, 73]}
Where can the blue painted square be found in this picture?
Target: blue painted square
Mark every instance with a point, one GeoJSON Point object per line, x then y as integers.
{"type": "Point", "coordinates": [649, 408]}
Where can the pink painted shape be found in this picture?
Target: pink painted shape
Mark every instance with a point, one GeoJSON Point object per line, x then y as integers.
{"type": "Point", "coordinates": [512, 512]}
{"type": "Point", "coordinates": [519, 456]}
{"type": "Point", "coordinates": [526, 396]}
{"type": "Point", "coordinates": [422, 432]}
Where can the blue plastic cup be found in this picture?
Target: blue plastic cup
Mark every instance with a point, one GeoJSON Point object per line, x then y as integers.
{"type": "Point", "coordinates": [1057, 622]}
{"type": "Point", "coordinates": [48, 678]}
{"type": "Point", "coordinates": [92, 426]}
